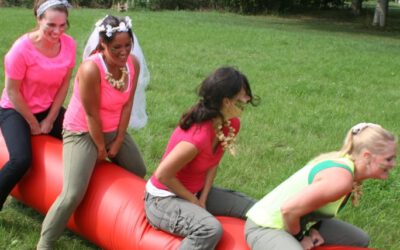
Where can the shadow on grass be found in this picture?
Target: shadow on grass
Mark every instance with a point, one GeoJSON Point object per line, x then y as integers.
{"type": "Point", "coordinates": [344, 21]}
{"type": "Point", "coordinates": [333, 20]}
{"type": "Point", "coordinates": [20, 217]}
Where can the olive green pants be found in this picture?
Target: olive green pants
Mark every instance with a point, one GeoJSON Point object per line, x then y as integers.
{"type": "Point", "coordinates": [79, 157]}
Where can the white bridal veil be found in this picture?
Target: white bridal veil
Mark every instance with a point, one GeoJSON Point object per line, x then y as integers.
{"type": "Point", "coordinates": [138, 116]}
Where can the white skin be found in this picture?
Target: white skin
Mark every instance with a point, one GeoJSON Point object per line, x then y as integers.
{"type": "Point", "coordinates": [378, 165]}
{"type": "Point", "coordinates": [115, 55]}
{"type": "Point", "coordinates": [46, 40]}
{"type": "Point", "coordinates": [367, 166]}
{"type": "Point", "coordinates": [185, 152]}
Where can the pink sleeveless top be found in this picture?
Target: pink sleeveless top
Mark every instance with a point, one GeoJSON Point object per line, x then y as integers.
{"type": "Point", "coordinates": [111, 101]}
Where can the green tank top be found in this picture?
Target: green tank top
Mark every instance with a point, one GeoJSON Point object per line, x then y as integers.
{"type": "Point", "coordinates": [267, 213]}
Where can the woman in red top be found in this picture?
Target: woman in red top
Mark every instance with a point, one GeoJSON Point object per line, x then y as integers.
{"type": "Point", "coordinates": [180, 197]}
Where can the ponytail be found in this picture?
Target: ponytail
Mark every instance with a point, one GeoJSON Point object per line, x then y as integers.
{"type": "Point", "coordinates": [198, 113]}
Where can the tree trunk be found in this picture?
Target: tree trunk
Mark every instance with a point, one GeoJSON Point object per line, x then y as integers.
{"type": "Point", "coordinates": [131, 4]}
{"type": "Point", "coordinates": [381, 10]}
{"type": "Point", "coordinates": [356, 7]}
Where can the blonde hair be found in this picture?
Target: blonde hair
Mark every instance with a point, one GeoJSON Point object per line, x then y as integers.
{"type": "Point", "coordinates": [370, 136]}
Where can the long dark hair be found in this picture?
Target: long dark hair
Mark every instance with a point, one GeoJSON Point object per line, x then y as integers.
{"type": "Point", "coordinates": [113, 21]}
{"type": "Point", "coordinates": [225, 82]}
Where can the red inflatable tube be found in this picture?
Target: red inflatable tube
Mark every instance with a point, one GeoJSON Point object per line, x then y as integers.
{"type": "Point", "coordinates": [340, 248]}
{"type": "Point", "coordinates": [111, 214]}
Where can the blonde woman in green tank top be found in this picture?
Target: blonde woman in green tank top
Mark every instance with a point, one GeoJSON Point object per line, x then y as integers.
{"type": "Point", "coordinates": [299, 213]}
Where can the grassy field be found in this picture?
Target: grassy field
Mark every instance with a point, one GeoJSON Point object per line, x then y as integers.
{"type": "Point", "coordinates": [316, 74]}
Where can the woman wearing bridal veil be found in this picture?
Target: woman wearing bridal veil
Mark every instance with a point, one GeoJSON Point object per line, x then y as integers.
{"type": "Point", "coordinates": [138, 116]}
{"type": "Point", "coordinates": [96, 121]}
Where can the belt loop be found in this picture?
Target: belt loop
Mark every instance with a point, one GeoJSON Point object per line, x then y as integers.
{"type": "Point", "coordinates": [146, 195]}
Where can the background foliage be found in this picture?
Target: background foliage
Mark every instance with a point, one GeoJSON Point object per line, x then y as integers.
{"type": "Point", "coordinates": [240, 6]}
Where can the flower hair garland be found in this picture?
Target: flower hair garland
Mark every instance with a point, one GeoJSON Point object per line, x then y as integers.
{"type": "Point", "coordinates": [44, 6]}
{"type": "Point", "coordinates": [124, 26]}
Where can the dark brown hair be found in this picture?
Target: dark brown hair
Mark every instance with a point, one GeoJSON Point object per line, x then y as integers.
{"type": "Point", "coordinates": [225, 82]}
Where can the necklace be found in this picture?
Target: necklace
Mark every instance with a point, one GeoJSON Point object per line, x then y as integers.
{"type": "Point", "coordinates": [118, 84]}
{"type": "Point", "coordinates": [227, 142]}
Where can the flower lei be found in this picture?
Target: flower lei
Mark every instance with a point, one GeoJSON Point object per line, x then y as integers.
{"type": "Point", "coordinates": [227, 142]}
{"type": "Point", "coordinates": [124, 26]}
{"type": "Point", "coordinates": [117, 84]}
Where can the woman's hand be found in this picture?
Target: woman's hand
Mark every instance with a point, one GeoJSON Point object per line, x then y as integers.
{"type": "Point", "coordinates": [113, 148]}
{"type": "Point", "coordinates": [210, 176]}
{"type": "Point", "coordinates": [196, 201]}
{"type": "Point", "coordinates": [35, 127]}
{"type": "Point", "coordinates": [316, 237]}
{"type": "Point", "coordinates": [45, 126]}
{"type": "Point", "coordinates": [101, 154]}
{"type": "Point", "coordinates": [307, 243]}
{"type": "Point", "coordinates": [202, 203]}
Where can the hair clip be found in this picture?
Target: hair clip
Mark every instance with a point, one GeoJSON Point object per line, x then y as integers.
{"type": "Point", "coordinates": [356, 129]}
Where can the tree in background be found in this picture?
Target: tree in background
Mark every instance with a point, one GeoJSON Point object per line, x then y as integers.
{"type": "Point", "coordinates": [356, 7]}
{"type": "Point", "coordinates": [239, 6]}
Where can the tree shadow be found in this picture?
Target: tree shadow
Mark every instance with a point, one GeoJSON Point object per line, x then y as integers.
{"type": "Point", "coordinates": [326, 20]}
{"type": "Point", "coordinates": [344, 21]}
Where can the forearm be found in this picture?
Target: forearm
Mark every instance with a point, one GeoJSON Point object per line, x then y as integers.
{"type": "Point", "coordinates": [208, 183]}
{"type": "Point", "coordinates": [123, 124]}
{"type": "Point", "coordinates": [291, 221]}
{"type": "Point", "coordinates": [175, 186]}
{"type": "Point", "coordinates": [56, 105]}
{"type": "Point", "coordinates": [95, 131]}
{"type": "Point", "coordinates": [183, 153]}
{"type": "Point", "coordinates": [22, 107]}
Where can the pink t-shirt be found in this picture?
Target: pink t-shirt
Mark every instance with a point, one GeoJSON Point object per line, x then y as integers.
{"type": "Point", "coordinates": [111, 101]}
{"type": "Point", "coordinates": [41, 76]}
{"type": "Point", "coordinates": [201, 135]}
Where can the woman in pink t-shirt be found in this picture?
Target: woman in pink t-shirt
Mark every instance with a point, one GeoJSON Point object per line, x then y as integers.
{"type": "Point", "coordinates": [180, 197]}
{"type": "Point", "coordinates": [96, 121]}
{"type": "Point", "coordinates": [38, 69]}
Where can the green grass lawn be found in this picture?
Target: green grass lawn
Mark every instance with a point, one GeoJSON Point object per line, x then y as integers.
{"type": "Point", "coordinates": [316, 74]}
